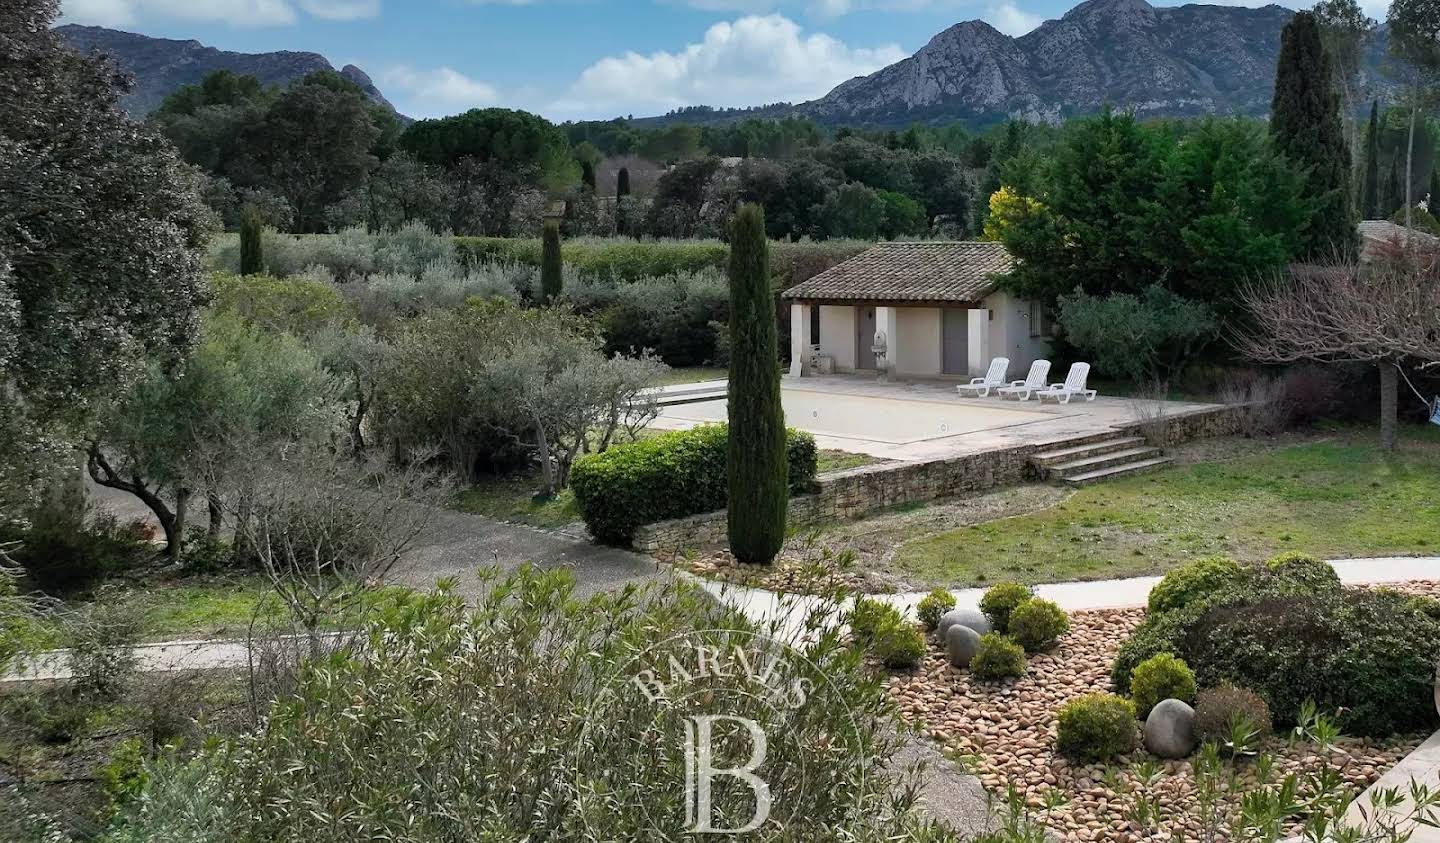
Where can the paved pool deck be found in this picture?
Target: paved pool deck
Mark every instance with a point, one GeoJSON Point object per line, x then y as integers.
{"type": "Point", "coordinates": [918, 420]}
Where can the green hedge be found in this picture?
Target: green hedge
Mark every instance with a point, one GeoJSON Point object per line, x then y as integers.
{"type": "Point", "coordinates": [632, 260]}
{"type": "Point", "coordinates": [668, 476]}
{"type": "Point", "coordinates": [1369, 653]}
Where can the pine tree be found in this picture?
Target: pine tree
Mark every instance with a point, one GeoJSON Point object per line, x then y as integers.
{"type": "Point", "coordinates": [757, 472]}
{"type": "Point", "coordinates": [551, 264]}
{"type": "Point", "coordinates": [1370, 197]}
{"type": "Point", "coordinates": [1305, 126]}
{"type": "Point", "coordinates": [252, 254]}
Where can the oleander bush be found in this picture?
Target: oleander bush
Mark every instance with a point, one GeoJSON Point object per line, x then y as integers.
{"type": "Point", "coordinates": [1368, 653]}
{"type": "Point", "coordinates": [932, 606]}
{"type": "Point", "coordinates": [1096, 727]}
{"type": "Point", "coordinates": [997, 657]}
{"type": "Point", "coordinates": [1193, 581]}
{"type": "Point", "coordinates": [1158, 678]}
{"type": "Point", "coordinates": [1000, 600]}
{"type": "Point", "coordinates": [524, 718]}
{"type": "Point", "coordinates": [1037, 624]}
{"type": "Point", "coordinates": [668, 476]}
{"type": "Point", "coordinates": [1219, 710]}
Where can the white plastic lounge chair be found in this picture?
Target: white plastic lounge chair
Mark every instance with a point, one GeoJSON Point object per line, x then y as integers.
{"type": "Point", "coordinates": [1033, 383]}
{"type": "Point", "coordinates": [1074, 385]}
{"type": "Point", "coordinates": [994, 379]}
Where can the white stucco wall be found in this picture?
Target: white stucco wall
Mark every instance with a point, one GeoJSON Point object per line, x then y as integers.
{"type": "Point", "coordinates": [837, 335]}
{"type": "Point", "coordinates": [1010, 333]}
{"type": "Point", "coordinates": [921, 332]}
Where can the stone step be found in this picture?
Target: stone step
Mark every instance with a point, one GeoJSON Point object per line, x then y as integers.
{"type": "Point", "coordinates": [1082, 450]}
{"type": "Point", "coordinates": [1116, 471]}
{"type": "Point", "coordinates": [1109, 459]}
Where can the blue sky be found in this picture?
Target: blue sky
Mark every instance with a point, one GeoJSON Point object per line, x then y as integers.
{"type": "Point", "coordinates": [579, 59]}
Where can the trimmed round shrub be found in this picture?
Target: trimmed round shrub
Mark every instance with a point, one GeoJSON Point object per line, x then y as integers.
{"type": "Point", "coordinates": [1303, 571]}
{"type": "Point", "coordinates": [997, 657]}
{"type": "Point", "coordinates": [668, 476]}
{"type": "Point", "coordinates": [1158, 678]}
{"type": "Point", "coordinates": [1218, 710]}
{"type": "Point", "coordinates": [1193, 581]}
{"type": "Point", "coordinates": [1037, 624]}
{"type": "Point", "coordinates": [1370, 652]}
{"type": "Point", "coordinates": [898, 645]}
{"type": "Point", "coordinates": [1096, 727]}
{"type": "Point", "coordinates": [1000, 600]}
{"type": "Point", "coordinates": [932, 606]}
{"type": "Point", "coordinates": [869, 616]}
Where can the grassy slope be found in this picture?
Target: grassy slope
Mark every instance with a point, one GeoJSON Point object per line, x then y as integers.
{"type": "Point", "coordinates": [1335, 498]}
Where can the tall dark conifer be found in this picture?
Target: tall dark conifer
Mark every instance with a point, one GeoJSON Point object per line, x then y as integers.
{"type": "Point", "coordinates": [622, 192]}
{"type": "Point", "coordinates": [587, 175]}
{"type": "Point", "coordinates": [1370, 195]}
{"type": "Point", "coordinates": [252, 256]}
{"type": "Point", "coordinates": [551, 263]}
{"type": "Point", "coordinates": [1305, 126]}
{"type": "Point", "coordinates": [1394, 193]}
{"type": "Point", "coordinates": [1434, 192]}
{"type": "Point", "coordinates": [757, 472]}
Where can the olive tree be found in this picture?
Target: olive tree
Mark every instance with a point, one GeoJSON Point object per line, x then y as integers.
{"type": "Point", "coordinates": [179, 432]}
{"type": "Point", "coordinates": [572, 395]}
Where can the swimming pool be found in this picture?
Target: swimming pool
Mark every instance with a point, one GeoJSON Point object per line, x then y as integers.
{"type": "Point", "coordinates": [865, 418]}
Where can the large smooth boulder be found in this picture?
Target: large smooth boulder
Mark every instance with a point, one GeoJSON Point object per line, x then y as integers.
{"type": "Point", "coordinates": [964, 616]}
{"type": "Point", "coordinates": [961, 644]}
{"type": "Point", "coordinates": [1170, 729]}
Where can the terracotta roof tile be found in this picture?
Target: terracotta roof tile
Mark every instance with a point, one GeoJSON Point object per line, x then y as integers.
{"type": "Point", "coordinates": [929, 272]}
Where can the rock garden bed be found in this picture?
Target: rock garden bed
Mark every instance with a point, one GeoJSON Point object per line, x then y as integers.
{"type": "Point", "coordinates": [1005, 733]}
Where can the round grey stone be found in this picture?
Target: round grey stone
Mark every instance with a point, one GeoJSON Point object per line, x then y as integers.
{"type": "Point", "coordinates": [964, 616]}
{"type": "Point", "coordinates": [961, 643]}
{"type": "Point", "coordinates": [1170, 729]}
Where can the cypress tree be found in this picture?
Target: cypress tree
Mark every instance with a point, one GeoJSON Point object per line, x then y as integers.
{"type": "Point", "coordinates": [1394, 193]}
{"type": "Point", "coordinates": [622, 191]}
{"type": "Point", "coordinates": [551, 264]}
{"type": "Point", "coordinates": [1370, 198]}
{"type": "Point", "coordinates": [757, 471]}
{"type": "Point", "coordinates": [587, 175]}
{"type": "Point", "coordinates": [1305, 127]}
{"type": "Point", "coordinates": [252, 253]}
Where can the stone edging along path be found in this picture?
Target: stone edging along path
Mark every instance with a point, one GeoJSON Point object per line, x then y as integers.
{"type": "Point", "coordinates": [759, 605]}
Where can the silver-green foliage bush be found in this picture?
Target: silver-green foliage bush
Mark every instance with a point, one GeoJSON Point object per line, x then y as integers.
{"type": "Point", "coordinates": [520, 720]}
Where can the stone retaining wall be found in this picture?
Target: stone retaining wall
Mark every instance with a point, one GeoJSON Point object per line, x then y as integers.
{"type": "Point", "coordinates": [857, 492]}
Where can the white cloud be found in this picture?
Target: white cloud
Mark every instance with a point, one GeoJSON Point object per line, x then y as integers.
{"type": "Point", "coordinates": [1011, 19]}
{"type": "Point", "coordinates": [341, 9]}
{"type": "Point", "coordinates": [435, 92]}
{"type": "Point", "coordinates": [750, 61]}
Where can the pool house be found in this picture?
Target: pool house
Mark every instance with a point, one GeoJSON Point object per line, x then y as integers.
{"type": "Point", "coordinates": [921, 310]}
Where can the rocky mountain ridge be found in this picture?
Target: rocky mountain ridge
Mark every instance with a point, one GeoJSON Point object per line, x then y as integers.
{"type": "Point", "coordinates": [161, 65]}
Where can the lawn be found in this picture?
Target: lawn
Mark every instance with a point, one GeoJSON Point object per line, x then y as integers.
{"type": "Point", "coordinates": [198, 608]}
{"type": "Point", "coordinates": [1339, 497]}
{"type": "Point", "coordinates": [693, 374]}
